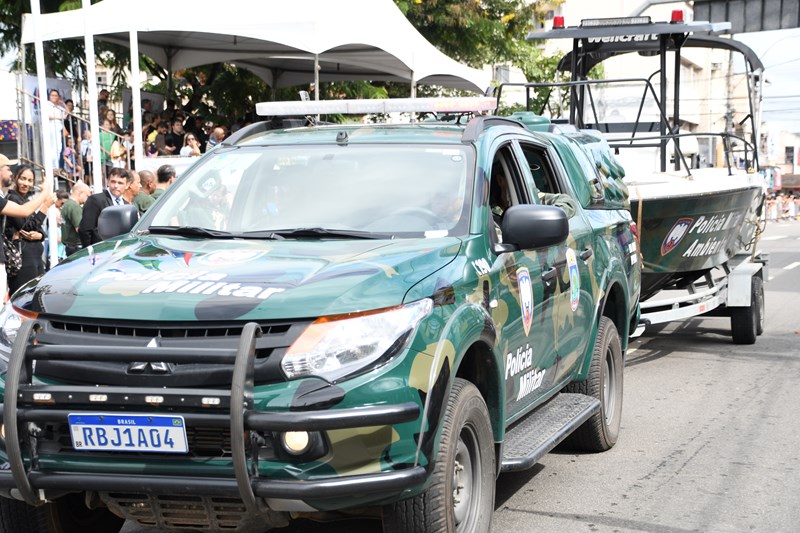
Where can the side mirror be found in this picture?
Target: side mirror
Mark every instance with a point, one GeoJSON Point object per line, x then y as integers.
{"type": "Point", "coordinates": [528, 227]}
{"type": "Point", "coordinates": [117, 220]}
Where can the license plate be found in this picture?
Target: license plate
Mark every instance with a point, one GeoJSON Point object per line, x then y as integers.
{"type": "Point", "coordinates": [128, 433]}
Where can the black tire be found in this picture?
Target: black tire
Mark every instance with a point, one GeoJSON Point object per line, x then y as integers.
{"type": "Point", "coordinates": [748, 322]}
{"type": "Point", "coordinates": [461, 496]}
{"type": "Point", "coordinates": [758, 298]}
{"type": "Point", "coordinates": [67, 514]}
{"type": "Point", "coordinates": [604, 382]}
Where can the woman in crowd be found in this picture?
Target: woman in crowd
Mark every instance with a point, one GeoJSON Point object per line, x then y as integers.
{"type": "Point", "coordinates": [26, 233]}
{"type": "Point", "coordinates": [191, 146]}
{"type": "Point", "coordinates": [55, 113]}
{"type": "Point", "coordinates": [113, 125]}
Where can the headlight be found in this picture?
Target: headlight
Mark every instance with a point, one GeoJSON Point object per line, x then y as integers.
{"type": "Point", "coordinates": [334, 347]}
{"type": "Point", "coordinates": [11, 319]}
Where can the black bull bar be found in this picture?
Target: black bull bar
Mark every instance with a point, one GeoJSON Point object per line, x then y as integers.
{"type": "Point", "coordinates": [239, 418]}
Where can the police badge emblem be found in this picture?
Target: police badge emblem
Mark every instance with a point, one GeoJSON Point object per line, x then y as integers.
{"type": "Point", "coordinates": [525, 297]}
{"type": "Point", "coordinates": [675, 235]}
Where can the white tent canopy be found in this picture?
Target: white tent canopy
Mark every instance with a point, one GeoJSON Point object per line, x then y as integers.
{"type": "Point", "coordinates": [278, 40]}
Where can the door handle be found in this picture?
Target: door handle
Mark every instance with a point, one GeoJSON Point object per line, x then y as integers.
{"type": "Point", "coordinates": [549, 274]}
{"type": "Point", "coordinates": [586, 254]}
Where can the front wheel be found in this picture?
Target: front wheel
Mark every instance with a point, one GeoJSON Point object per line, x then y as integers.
{"type": "Point", "coordinates": [604, 382]}
{"type": "Point", "coordinates": [461, 496]}
{"type": "Point", "coordinates": [67, 514]}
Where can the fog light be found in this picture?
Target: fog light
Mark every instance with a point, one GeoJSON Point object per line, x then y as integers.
{"type": "Point", "coordinates": [98, 397]}
{"type": "Point", "coordinates": [210, 401]}
{"type": "Point", "coordinates": [154, 399]}
{"type": "Point", "coordinates": [296, 442]}
{"type": "Point", "coordinates": [42, 397]}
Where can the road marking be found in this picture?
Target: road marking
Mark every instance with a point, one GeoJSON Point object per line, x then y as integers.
{"type": "Point", "coordinates": [792, 266]}
{"type": "Point", "coordinates": [774, 237]}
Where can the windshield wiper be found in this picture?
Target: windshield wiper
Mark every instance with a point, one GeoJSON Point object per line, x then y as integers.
{"type": "Point", "coordinates": [261, 234]}
{"type": "Point", "coordinates": [189, 231]}
{"type": "Point", "coordinates": [327, 232]}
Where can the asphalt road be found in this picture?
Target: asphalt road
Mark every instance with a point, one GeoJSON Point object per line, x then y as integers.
{"type": "Point", "coordinates": [710, 440]}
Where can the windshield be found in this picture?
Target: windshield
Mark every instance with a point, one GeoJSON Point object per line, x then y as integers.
{"type": "Point", "coordinates": [372, 191]}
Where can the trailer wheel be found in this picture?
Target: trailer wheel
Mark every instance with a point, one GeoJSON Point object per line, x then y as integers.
{"type": "Point", "coordinates": [748, 322]}
{"type": "Point", "coordinates": [758, 296]}
{"type": "Point", "coordinates": [67, 514]}
{"type": "Point", "coordinates": [461, 496]}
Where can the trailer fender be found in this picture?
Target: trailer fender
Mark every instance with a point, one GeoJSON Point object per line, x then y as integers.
{"type": "Point", "coordinates": [739, 284]}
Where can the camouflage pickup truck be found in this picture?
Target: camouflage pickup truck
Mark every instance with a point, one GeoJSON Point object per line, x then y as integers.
{"type": "Point", "coordinates": [325, 321]}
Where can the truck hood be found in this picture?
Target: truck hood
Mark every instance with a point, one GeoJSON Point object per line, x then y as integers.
{"type": "Point", "coordinates": [170, 278]}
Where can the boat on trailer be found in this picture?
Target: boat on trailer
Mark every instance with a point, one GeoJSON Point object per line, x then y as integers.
{"type": "Point", "coordinates": [696, 196]}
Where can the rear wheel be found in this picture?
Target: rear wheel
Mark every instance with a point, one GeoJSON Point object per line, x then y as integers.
{"type": "Point", "coordinates": [604, 382]}
{"type": "Point", "coordinates": [67, 514]}
{"type": "Point", "coordinates": [748, 322]}
{"type": "Point", "coordinates": [461, 496]}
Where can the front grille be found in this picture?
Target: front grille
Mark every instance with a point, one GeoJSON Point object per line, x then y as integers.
{"type": "Point", "coordinates": [133, 329]}
{"type": "Point", "coordinates": [276, 337]}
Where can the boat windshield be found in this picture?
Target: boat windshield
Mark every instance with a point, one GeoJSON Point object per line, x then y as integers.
{"type": "Point", "coordinates": [321, 191]}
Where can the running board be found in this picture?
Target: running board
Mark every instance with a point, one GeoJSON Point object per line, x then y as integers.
{"type": "Point", "coordinates": [543, 429]}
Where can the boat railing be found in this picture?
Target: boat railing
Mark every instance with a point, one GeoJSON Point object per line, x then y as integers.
{"type": "Point", "coordinates": [635, 133]}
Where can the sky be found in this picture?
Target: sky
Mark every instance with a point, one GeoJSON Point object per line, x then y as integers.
{"type": "Point", "coordinates": [779, 51]}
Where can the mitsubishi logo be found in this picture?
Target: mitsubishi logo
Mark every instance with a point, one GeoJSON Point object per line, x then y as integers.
{"type": "Point", "coordinates": [150, 368]}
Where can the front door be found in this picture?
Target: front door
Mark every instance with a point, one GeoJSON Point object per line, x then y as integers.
{"type": "Point", "coordinates": [523, 304]}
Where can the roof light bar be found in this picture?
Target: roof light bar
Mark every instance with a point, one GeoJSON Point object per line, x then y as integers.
{"type": "Point", "coordinates": [614, 21]}
{"type": "Point", "coordinates": [384, 105]}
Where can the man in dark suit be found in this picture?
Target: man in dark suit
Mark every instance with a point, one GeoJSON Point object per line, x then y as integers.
{"type": "Point", "coordinates": [118, 182]}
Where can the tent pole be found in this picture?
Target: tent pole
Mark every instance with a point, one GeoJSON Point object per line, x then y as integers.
{"type": "Point", "coordinates": [22, 130]}
{"type": "Point", "coordinates": [91, 85]}
{"type": "Point", "coordinates": [136, 84]}
{"type": "Point", "coordinates": [316, 80]}
{"type": "Point", "coordinates": [316, 77]}
{"type": "Point", "coordinates": [47, 148]}
{"type": "Point", "coordinates": [413, 94]}
{"type": "Point", "coordinates": [170, 53]}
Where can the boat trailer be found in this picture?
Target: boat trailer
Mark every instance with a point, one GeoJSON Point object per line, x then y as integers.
{"type": "Point", "coordinates": [734, 288]}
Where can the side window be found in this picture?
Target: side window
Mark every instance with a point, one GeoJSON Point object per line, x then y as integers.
{"type": "Point", "coordinates": [506, 187]}
{"type": "Point", "coordinates": [541, 173]}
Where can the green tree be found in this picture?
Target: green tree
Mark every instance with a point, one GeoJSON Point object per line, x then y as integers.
{"type": "Point", "coordinates": [480, 32]}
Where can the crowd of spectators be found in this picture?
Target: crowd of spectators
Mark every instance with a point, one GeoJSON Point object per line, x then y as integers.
{"type": "Point", "coordinates": [782, 207]}
{"type": "Point", "coordinates": [169, 132]}
{"type": "Point", "coordinates": [24, 214]}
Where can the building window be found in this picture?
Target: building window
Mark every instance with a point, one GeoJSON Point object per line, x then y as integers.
{"type": "Point", "coordinates": [790, 155]}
